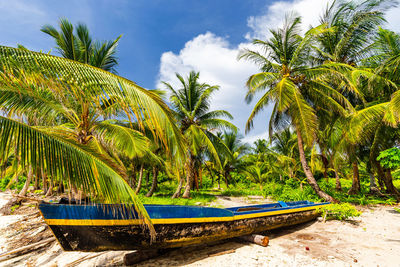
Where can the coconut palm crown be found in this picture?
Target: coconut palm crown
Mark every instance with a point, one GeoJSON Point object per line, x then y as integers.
{"type": "Point", "coordinates": [197, 123]}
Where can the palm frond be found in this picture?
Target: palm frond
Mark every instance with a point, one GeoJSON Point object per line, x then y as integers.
{"type": "Point", "coordinates": [30, 69]}
{"type": "Point", "coordinates": [67, 162]}
{"type": "Point", "coordinates": [127, 141]}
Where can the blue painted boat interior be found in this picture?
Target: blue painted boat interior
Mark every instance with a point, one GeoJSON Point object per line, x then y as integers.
{"type": "Point", "coordinates": [116, 212]}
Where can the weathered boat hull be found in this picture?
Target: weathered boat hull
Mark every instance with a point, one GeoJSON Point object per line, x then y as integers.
{"type": "Point", "coordinates": [176, 231]}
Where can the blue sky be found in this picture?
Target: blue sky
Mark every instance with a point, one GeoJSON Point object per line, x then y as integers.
{"type": "Point", "coordinates": [149, 28]}
{"type": "Point", "coordinates": [164, 37]}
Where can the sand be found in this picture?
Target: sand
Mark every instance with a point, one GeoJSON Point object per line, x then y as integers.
{"type": "Point", "coordinates": [373, 239]}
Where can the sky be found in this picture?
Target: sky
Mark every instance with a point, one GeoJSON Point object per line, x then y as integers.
{"type": "Point", "coordinates": [161, 38]}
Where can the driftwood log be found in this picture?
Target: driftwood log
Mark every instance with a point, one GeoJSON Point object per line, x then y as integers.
{"type": "Point", "coordinates": [142, 255]}
{"type": "Point", "coordinates": [256, 239]}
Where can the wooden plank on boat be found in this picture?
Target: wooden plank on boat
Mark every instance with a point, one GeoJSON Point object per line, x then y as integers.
{"type": "Point", "coordinates": [256, 239]}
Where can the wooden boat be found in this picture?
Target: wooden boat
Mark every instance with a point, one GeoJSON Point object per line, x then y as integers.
{"type": "Point", "coordinates": [98, 227]}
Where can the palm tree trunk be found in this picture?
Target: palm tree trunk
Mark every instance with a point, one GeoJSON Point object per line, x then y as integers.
{"type": "Point", "coordinates": [50, 190]}
{"type": "Point", "coordinates": [226, 179]}
{"type": "Point", "coordinates": [373, 188]}
{"type": "Point", "coordinates": [196, 180]}
{"type": "Point", "coordinates": [36, 183]}
{"type": "Point", "coordinates": [61, 188]}
{"type": "Point", "coordinates": [338, 186]}
{"type": "Point", "coordinates": [44, 181]}
{"type": "Point", "coordinates": [27, 183]}
{"type": "Point", "coordinates": [388, 179]}
{"type": "Point", "coordinates": [310, 177]}
{"type": "Point", "coordinates": [154, 184]}
{"type": "Point", "coordinates": [219, 181]}
{"type": "Point", "coordinates": [380, 172]}
{"type": "Point", "coordinates": [201, 177]}
{"type": "Point", "coordinates": [147, 178]}
{"type": "Point", "coordinates": [179, 189]}
{"type": "Point", "coordinates": [325, 162]}
{"type": "Point", "coordinates": [139, 184]}
{"type": "Point", "coordinates": [190, 173]}
{"type": "Point", "coordinates": [189, 182]}
{"type": "Point", "coordinates": [355, 187]}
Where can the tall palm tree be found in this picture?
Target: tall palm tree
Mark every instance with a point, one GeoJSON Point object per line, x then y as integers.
{"type": "Point", "coordinates": [76, 96]}
{"type": "Point", "coordinates": [291, 86]}
{"type": "Point", "coordinates": [191, 103]}
{"type": "Point", "coordinates": [78, 45]}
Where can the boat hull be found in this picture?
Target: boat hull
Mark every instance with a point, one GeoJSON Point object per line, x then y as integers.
{"type": "Point", "coordinates": [131, 237]}
{"type": "Point", "coordinates": [109, 227]}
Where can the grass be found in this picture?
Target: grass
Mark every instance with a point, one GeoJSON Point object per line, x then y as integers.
{"type": "Point", "coordinates": [197, 198]}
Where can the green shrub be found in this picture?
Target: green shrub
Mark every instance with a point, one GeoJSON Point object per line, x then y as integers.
{"type": "Point", "coordinates": [390, 158]}
{"type": "Point", "coordinates": [340, 212]}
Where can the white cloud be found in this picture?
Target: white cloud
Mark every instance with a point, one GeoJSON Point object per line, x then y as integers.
{"type": "Point", "coordinates": [309, 10]}
{"type": "Point", "coordinates": [393, 19]}
{"type": "Point", "coordinates": [218, 65]}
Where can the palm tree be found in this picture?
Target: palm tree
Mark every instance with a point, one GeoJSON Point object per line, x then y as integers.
{"type": "Point", "coordinates": [77, 96]}
{"type": "Point", "coordinates": [284, 146]}
{"type": "Point", "coordinates": [78, 45]}
{"type": "Point", "coordinates": [191, 103]}
{"type": "Point", "coordinates": [291, 86]}
{"type": "Point", "coordinates": [352, 26]}
{"type": "Point", "coordinates": [231, 153]}
{"type": "Point", "coordinates": [257, 172]}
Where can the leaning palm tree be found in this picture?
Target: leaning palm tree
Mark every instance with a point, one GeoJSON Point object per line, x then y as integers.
{"type": "Point", "coordinates": [191, 103]}
{"type": "Point", "coordinates": [78, 45]}
{"type": "Point", "coordinates": [76, 96]}
{"type": "Point", "coordinates": [292, 86]}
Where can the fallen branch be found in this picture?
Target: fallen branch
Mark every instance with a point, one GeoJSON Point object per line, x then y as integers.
{"type": "Point", "coordinates": [6, 255]}
{"type": "Point", "coordinates": [256, 239]}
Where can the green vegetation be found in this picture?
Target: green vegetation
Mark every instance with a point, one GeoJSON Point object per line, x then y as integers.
{"type": "Point", "coordinates": [70, 125]}
{"type": "Point", "coordinates": [339, 211]}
